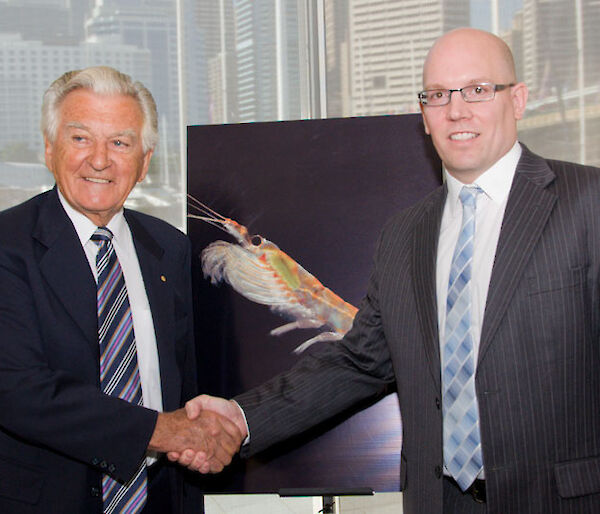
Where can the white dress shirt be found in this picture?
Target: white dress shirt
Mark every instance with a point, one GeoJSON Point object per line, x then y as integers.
{"type": "Point", "coordinates": [495, 184]}
{"type": "Point", "coordinates": [143, 326]}
{"type": "Point", "coordinates": [489, 213]}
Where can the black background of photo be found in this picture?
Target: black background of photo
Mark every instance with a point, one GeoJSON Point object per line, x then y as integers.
{"type": "Point", "coordinates": [321, 190]}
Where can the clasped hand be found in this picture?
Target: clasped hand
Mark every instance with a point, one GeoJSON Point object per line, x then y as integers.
{"type": "Point", "coordinates": [202, 437]}
{"type": "Point", "coordinates": [198, 438]}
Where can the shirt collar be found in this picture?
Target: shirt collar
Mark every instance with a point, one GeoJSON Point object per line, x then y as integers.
{"type": "Point", "coordinates": [494, 182]}
{"type": "Point", "coordinates": [85, 227]}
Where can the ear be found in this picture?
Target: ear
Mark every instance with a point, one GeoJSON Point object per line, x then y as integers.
{"type": "Point", "coordinates": [48, 153]}
{"type": "Point", "coordinates": [424, 119]}
{"type": "Point", "coordinates": [519, 94]}
{"type": "Point", "coordinates": [146, 164]}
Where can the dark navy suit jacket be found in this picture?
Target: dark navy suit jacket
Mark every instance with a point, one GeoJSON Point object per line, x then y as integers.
{"type": "Point", "coordinates": [538, 371]}
{"type": "Point", "coordinates": [58, 432]}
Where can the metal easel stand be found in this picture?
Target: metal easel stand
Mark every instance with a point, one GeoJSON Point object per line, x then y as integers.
{"type": "Point", "coordinates": [330, 497]}
{"type": "Point", "coordinates": [331, 505]}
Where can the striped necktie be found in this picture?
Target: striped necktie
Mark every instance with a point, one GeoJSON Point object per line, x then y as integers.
{"type": "Point", "coordinates": [462, 441]}
{"type": "Point", "coordinates": [119, 374]}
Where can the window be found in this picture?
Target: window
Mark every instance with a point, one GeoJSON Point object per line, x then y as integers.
{"type": "Point", "coordinates": [262, 60]}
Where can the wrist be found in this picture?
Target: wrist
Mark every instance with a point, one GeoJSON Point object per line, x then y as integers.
{"type": "Point", "coordinates": [239, 418]}
{"type": "Point", "coordinates": [164, 433]}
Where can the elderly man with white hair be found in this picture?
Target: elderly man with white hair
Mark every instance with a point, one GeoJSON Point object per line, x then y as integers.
{"type": "Point", "coordinates": [97, 352]}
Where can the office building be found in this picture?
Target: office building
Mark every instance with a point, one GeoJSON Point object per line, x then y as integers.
{"type": "Point", "coordinates": [389, 42]}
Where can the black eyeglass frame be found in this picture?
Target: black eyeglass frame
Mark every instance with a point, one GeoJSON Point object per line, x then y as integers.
{"type": "Point", "coordinates": [496, 87]}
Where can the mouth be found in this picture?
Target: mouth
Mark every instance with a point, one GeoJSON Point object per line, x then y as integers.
{"type": "Point", "coordinates": [97, 180]}
{"type": "Point", "coordinates": [463, 136]}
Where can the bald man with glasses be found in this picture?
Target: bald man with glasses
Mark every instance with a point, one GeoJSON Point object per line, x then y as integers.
{"type": "Point", "coordinates": [483, 307]}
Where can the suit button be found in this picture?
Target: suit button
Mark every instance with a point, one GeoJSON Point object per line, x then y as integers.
{"type": "Point", "coordinates": [95, 461]}
{"type": "Point", "coordinates": [438, 472]}
{"type": "Point", "coordinates": [437, 403]}
{"type": "Point", "coordinates": [103, 465]}
{"type": "Point", "coordinates": [111, 468]}
{"type": "Point", "coordinates": [95, 492]}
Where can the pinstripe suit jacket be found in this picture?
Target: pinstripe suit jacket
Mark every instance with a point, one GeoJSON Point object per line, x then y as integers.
{"type": "Point", "coordinates": [538, 371]}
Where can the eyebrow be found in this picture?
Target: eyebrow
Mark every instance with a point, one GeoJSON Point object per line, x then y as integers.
{"type": "Point", "coordinates": [77, 125]}
{"type": "Point", "coordinates": [127, 132]}
{"type": "Point", "coordinates": [469, 83]}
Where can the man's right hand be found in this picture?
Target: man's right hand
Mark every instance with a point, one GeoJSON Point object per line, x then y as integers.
{"type": "Point", "coordinates": [227, 408]}
{"type": "Point", "coordinates": [198, 407]}
{"type": "Point", "coordinates": [206, 443]}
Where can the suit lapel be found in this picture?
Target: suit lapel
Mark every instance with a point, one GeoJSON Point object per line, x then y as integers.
{"type": "Point", "coordinates": [425, 242]}
{"type": "Point", "coordinates": [65, 267]}
{"type": "Point", "coordinates": [160, 297]}
{"type": "Point", "coordinates": [529, 206]}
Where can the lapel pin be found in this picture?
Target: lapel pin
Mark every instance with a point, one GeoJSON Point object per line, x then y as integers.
{"type": "Point", "coordinates": [163, 278]}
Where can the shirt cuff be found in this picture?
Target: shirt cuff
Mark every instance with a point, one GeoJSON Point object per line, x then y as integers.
{"type": "Point", "coordinates": [247, 440]}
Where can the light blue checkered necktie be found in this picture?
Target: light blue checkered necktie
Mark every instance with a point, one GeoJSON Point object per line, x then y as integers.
{"type": "Point", "coordinates": [119, 373]}
{"type": "Point", "coordinates": [462, 441]}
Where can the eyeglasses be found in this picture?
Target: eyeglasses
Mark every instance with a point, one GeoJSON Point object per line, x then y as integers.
{"type": "Point", "coordinates": [483, 92]}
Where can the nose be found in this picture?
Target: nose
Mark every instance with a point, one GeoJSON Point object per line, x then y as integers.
{"type": "Point", "coordinates": [99, 159]}
{"type": "Point", "coordinates": [457, 107]}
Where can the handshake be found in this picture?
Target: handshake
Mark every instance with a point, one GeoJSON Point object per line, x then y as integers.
{"type": "Point", "coordinates": [203, 436]}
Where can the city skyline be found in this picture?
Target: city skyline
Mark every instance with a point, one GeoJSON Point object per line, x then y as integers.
{"type": "Point", "coordinates": [242, 61]}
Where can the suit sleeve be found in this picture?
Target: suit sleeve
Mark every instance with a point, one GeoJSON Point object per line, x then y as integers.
{"type": "Point", "coordinates": [45, 406]}
{"type": "Point", "coordinates": [324, 382]}
{"type": "Point", "coordinates": [189, 365]}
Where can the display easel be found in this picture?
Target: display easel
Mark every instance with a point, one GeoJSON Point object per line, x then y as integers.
{"type": "Point", "coordinates": [328, 495]}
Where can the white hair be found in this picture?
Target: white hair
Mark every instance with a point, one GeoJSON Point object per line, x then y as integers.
{"type": "Point", "coordinates": [102, 80]}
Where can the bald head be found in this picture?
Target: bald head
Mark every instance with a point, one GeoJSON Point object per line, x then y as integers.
{"type": "Point", "coordinates": [454, 44]}
{"type": "Point", "coordinates": [471, 134]}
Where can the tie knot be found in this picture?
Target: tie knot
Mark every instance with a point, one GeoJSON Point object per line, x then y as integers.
{"type": "Point", "coordinates": [102, 235]}
{"type": "Point", "coordinates": [468, 195]}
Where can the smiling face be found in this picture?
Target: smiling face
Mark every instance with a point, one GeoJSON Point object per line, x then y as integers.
{"type": "Point", "coordinates": [97, 156]}
{"type": "Point", "coordinates": [471, 137]}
